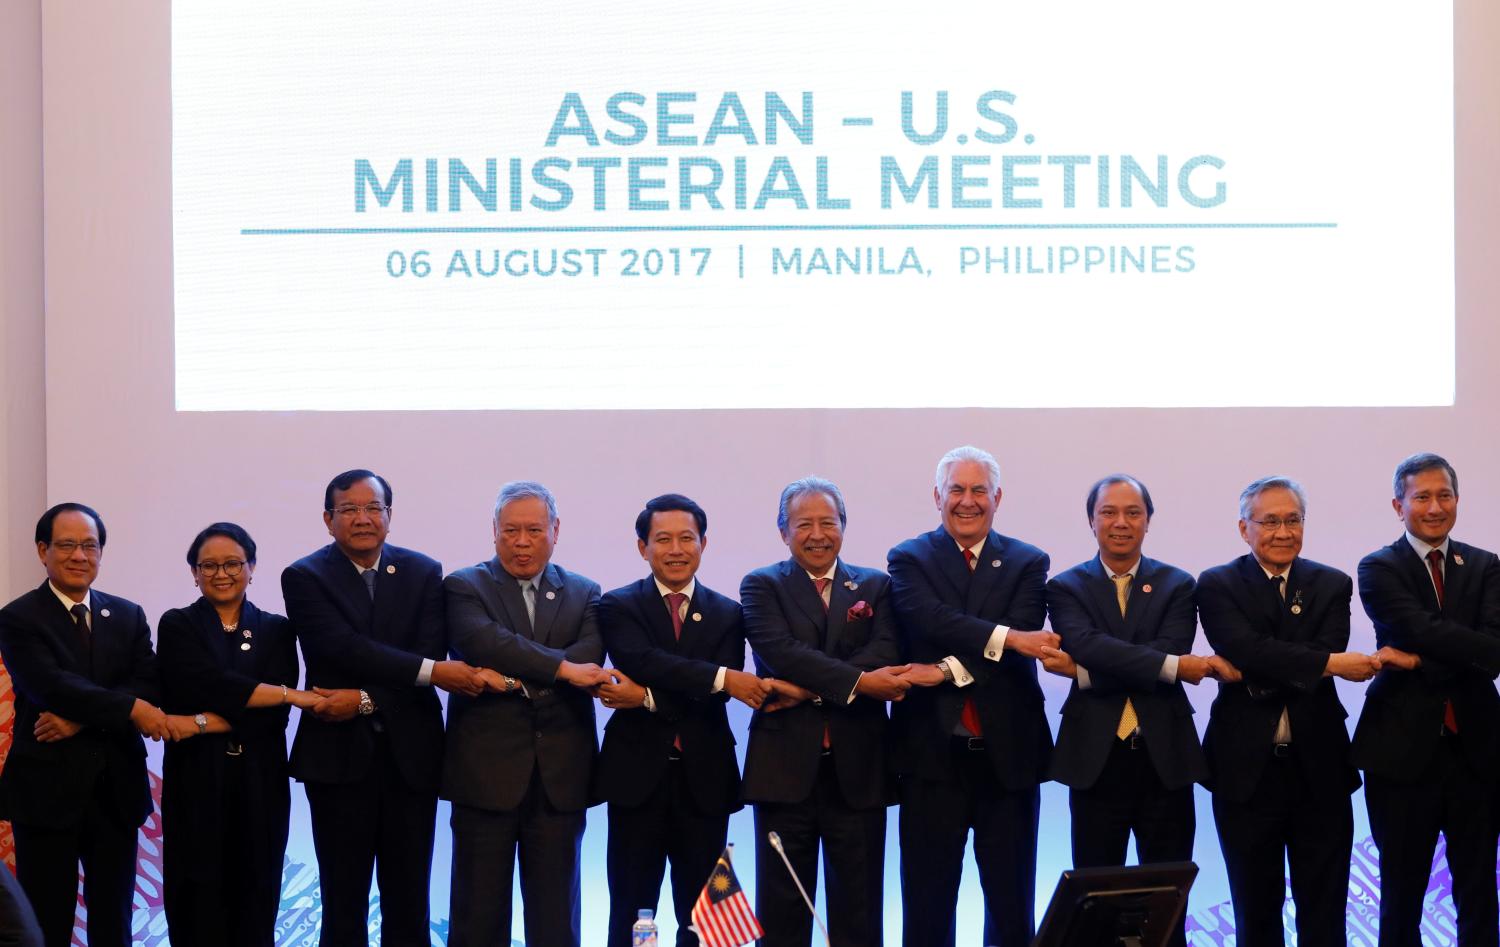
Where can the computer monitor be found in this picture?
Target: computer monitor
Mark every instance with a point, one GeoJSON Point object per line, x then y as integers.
{"type": "Point", "coordinates": [1136, 906]}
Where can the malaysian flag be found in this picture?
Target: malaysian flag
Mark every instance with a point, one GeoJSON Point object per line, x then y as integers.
{"type": "Point", "coordinates": [722, 914]}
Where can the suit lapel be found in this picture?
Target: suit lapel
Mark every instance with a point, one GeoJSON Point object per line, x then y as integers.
{"type": "Point", "coordinates": [1139, 601]}
{"type": "Point", "coordinates": [840, 599]}
{"type": "Point", "coordinates": [1102, 590]}
{"type": "Point", "coordinates": [548, 601]}
{"type": "Point", "coordinates": [1455, 576]}
{"type": "Point", "coordinates": [1261, 593]}
{"type": "Point", "coordinates": [60, 622]}
{"type": "Point", "coordinates": [950, 561]}
{"type": "Point", "coordinates": [658, 617]}
{"type": "Point", "coordinates": [986, 571]}
{"type": "Point", "coordinates": [343, 575]}
{"type": "Point", "coordinates": [508, 597]}
{"type": "Point", "coordinates": [805, 594]}
{"type": "Point", "coordinates": [1418, 572]}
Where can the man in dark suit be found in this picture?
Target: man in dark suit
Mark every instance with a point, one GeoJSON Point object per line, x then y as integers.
{"type": "Point", "coordinates": [1429, 735]}
{"type": "Point", "coordinates": [1127, 748]}
{"type": "Point", "coordinates": [667, 768]}
{"type": "Point", "coordinates": [369, 617]}
{"type": "Point", "coordinates": [970, 749]}
{"type": "Point", "coordinates": [1278, 750]}
{"type": "Point", "coordinates": [519, 760]}
{"type": "Point", "coordinates": [74, 786]}
{"type": "Point", "coordinates": [815, 768]}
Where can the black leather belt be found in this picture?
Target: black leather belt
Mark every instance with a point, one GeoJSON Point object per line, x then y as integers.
{"type": "Point", "coordinates": [967, 743]}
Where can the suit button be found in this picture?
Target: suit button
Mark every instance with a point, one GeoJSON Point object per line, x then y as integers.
{"type": "Point", "coordinates": [539, 734]}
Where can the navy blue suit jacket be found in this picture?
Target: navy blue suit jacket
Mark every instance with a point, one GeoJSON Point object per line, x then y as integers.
{"type": "Point", "coordinates": [637, 631]}
{"type": "Point", "coordinates": [825, 653]}
{"type": "Point", "coordinates": [1459, 643]}
{"type": "Point", "coordinates": [944, 609]}
{"type": "Point", "coordinates": [1123, 656]}
{"type": "Point", "coordinates": [51, 784]}
{"type": "Point", "coordinates": [377, 646]}
{"type": "Point", "coordinates": [1281, 647]}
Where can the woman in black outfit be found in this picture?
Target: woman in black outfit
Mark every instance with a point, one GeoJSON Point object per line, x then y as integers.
{"type": "Point", "coordinates": [229, 673]}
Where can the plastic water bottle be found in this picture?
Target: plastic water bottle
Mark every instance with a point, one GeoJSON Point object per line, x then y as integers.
{"type": "Point", "coordinates": [643, 931]}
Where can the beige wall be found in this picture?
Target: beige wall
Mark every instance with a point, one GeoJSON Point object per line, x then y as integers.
{"type": "Point", "coordinates": [23, 441]}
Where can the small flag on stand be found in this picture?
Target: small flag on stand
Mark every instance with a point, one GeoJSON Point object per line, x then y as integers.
{"type": "Point", "coordinates": [722, 914]}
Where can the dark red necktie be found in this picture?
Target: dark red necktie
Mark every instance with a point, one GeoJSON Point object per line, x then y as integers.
{"type": "Point", "coordinates": [822, 585]}
{"type": "Point", "coordinates": [970, 716]}
{"type": "Point", "coordinates": [1435, 566]}
{"type": "Point", "coordinates": [674, 606]}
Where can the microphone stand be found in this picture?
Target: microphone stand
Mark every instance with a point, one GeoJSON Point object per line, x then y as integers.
{"type": "Point", "coordinates": [775, 841]}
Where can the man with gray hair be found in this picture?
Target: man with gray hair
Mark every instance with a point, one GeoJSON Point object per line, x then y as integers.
{"type": "Point", "coordinates": [825, 633]}
{"type": "Point", "coordinates": [971, 741]}
{"type": "Point", "coordinates": [520, 756]}
{"type": "Point", "coordinates": [1278, 752]}
{"type": "Point", "coordinates": [1429, 735]}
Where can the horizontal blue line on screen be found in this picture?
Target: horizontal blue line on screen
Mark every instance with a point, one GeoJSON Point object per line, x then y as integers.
{"type": "Point", "coordinates": [771, 228]}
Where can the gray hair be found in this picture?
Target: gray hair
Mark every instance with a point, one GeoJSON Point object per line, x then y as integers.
{"type": "Point", "coordinates": [800, 488]}
{"type": "Point", "coordinates": [1250, 494]}
{"type": "Point", "coordinates": [1417, 463]}
{"type": "Point", "coordinates": [959, 455]}
{"type": "Point", "coordinates": [524, 490]}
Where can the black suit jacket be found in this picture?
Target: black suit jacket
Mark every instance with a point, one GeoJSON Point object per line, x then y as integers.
{"type": "Point", "coordinates": [1281, 648]}
{"type": "Point", "coordinates": [946, 610]}
{"type": "Point", "coordinates": [377, 646]}
{"type": "Point", "coordinates": [637, 630]}
{"type": "Point", "coordinates": [495, 740]}
{"type": "Point", "coordinates": [825, 653]}
{"type": "Point", "coordinates": [1400, 725]}
{"type": "Point", "coordinates": [1123, 656]}
{"type": "Point", "coordinates": [52, 784]}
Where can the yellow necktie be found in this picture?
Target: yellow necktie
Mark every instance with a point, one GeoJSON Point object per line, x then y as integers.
{"type": "Point", "coordinates": [1128, 720]}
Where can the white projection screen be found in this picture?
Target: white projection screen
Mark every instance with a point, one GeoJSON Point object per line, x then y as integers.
{"type": "Point", "coordinates": [509, 206]}
{"type": "Point", "coordinates": [1285, 268]}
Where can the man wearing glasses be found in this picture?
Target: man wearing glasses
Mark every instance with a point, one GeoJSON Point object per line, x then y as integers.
{"type": "Point", "coordinates": [1429, 735]}
{"type": "Point", "coordinates": [369, 616]}
{"type": "Point", "coordinates": [1278, 752]}
{"type": "Point", "coordinates": [74, 786]}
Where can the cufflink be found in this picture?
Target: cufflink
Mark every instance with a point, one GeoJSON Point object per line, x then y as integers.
{"type": "Point", "coordinates": [991, 654]}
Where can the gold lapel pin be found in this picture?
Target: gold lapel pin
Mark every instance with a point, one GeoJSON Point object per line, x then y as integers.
{"type": "Point", "coordinates": [697, 616]}
{"type": "Point", "coordinates": [390, 569]}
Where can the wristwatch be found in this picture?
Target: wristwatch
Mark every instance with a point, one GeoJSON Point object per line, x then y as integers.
{"type": "Point", "coordinates": [202, 722]}
{"type": "Point", "coordinates": [366, 705]}
{"type": "Point", "coordinates": [947, 671]}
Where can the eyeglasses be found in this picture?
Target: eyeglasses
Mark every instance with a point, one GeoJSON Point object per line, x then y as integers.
{"type": "Point", "coordinates": [350, 511]}
{"type": "Point", "coordinates": [1274, 523]}
{"type": "Point", "coordinates": [67, 547]}
{"type": "Point", "coordinates": [230, 567]}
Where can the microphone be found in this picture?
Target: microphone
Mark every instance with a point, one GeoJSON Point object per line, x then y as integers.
{"type": "Point", "coordinates": [775, 841]}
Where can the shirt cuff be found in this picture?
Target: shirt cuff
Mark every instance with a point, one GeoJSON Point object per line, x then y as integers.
{"type": "Point", "coordinates": [961, 675]}
{"type": "Point", "coordinates": [996, 646]}
{"type": "Point", "coordinates": [1084, 683]}
{"type": "Point", "coordinates": [1168, 672]}
{"type": "Point", "coordinates": [855, 689]}
{"type": "Point", "coordinates": [424, 675]}
{"type": "Point", "coordinates": [650, 702]}
{"type": "Point", "coordinates": [719, 680]}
